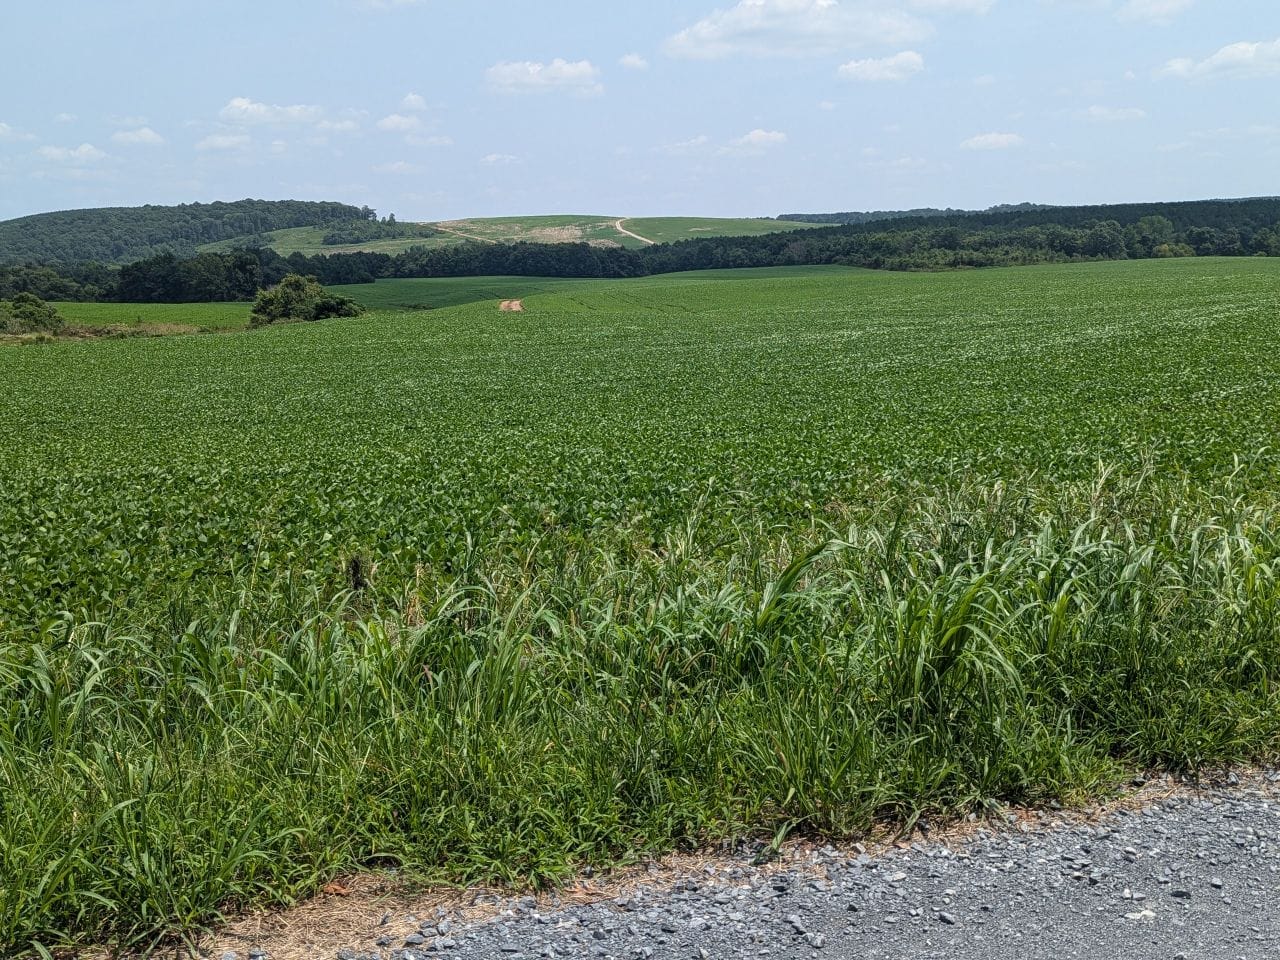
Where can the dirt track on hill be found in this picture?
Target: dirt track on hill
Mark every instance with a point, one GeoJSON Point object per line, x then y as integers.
{"type": "Point", "coordinates": [627, 233]}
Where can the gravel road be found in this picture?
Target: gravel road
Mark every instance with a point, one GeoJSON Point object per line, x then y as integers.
{"type": "Point", "coordinates": [1195, 875]}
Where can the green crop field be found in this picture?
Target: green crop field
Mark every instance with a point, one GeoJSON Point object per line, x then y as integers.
{"type": "Point", "coordinates": [435, 294]}
{"type": "Point", "coordinates": [199, 316]}
{"type": "Point", "coordinates": [671, 229]}
{"type": "Point", "coordinates": [488, 596]}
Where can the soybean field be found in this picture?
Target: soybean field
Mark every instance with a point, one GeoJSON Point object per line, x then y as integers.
{"type": "Point", "coordinates": [486, 597]}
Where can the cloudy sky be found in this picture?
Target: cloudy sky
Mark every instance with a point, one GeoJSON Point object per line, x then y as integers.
{"type": "Point", "coordinates": [437, 109]}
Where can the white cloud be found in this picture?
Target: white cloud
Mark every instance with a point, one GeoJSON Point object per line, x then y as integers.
{"type": "Point", "coordinates": [1235, 60]}
{"type": "Point", "coordinates": [399, 123]}
{"type": "Point", "coordinates": [244, 110]}
{"type": "Point", "coordinates": [224, 141]}
{"type": "Point", "coordinates": [397, 167]}
{"type": "Point", "coordinates": [1115, 114]}
{"type": "Point", "coordinates": [901, 66]}
{"type": "Point", "coordinates": [414, 102]}
{"type": "Point", "coordinates": [993, 141]}
{"type": "Point", "coordinates": [633, 61]}
{"type": "Point", "coordinates": [806, 28]}
{"type": "Point", "coordinates": [499, 159]}
{"type": "Point", "coordinates": [1155, 11]}
{"type": "Point", "coordinates": [9, 133]}
{"type": "Point", "coordinates": [65, 118]}
{"type": "Point", "coordinates": [580, 77]}
{"type": "Point", "coordinates": [144, 136]}
{"type": "Point", "coordinates": [85, 153]}
{"type": "Point", "coordinates": [757, 141]}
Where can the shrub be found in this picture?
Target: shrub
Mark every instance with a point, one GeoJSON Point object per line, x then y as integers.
{"type": "Point", "coordinates": [27, 313]}
{"type": "Point", "coordinates": [298, 298]}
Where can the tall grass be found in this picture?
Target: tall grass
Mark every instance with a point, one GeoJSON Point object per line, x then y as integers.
{"type": "Point", "coordinates": [565, 701]}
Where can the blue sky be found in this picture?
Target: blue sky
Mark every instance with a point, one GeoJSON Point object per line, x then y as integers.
{"type": "Point", "coordinates": [435, 109]}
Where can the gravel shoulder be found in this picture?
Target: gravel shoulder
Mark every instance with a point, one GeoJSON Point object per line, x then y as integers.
{"type": "Point", "coordinates": [1169, 872]}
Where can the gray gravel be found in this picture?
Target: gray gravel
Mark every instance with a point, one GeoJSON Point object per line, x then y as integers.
{"type": "Point", "coordinates": [1196, 876]}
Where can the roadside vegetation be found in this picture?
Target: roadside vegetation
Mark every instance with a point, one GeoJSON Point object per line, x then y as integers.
{"type": "Point", "coordinates": [489, 597]}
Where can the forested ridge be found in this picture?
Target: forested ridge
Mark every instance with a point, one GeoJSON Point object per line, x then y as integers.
{"type": "Point", "coordinates": [116, 235]}
{"type": "Point", "coordinates": [1006, 237]}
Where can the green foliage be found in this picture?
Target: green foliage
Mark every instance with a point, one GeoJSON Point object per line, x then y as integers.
{"type": "Point", "coordinates": [27, 313]}
{"type": "Point", "coordinates": [297, 298]}
{"type": "Point", "coordinates": [362, 231]}
{"type": "Point", "coordinates": [123, 234]}
{"type": "Point", "coordinates": [651, 564]}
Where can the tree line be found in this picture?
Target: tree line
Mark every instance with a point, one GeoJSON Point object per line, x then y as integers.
{"type": "Point", "coordinates": [116, 235]}
{"type": "Point", "coordinates": [1006, 238]}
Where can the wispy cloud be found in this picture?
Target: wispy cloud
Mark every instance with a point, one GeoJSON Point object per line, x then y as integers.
{"type": "Point", "coordinates": [499, 159]}
{"type": "Point", "coordinates": [633, 61]}
{"type": "Point", "coordinates": [757, 141]}
{"type": "Point", "coordinates": [580, 77]}
{"type": "Point", "coordinates": [1260, 59]}
{"type": "Point", "coordinates": [993, 141]}
{"type": "Point", "coordinates": [901, 66]}
{"type": "Point", "coordinates": [399, 123]}
{"type": "Point", "coordinates": [142, 136]}
{"type": "Point", "coordinates": [8, 133]}
{"type": "Point", "coordinates": [795, 28]}
{"type": "Point", "coordinates": [413, 102]}
{"type": "Point", "coordinates": [246, 111]}
{"type": "Point", "coordinates": [78, 156]}
{"type": "Point", "coordinates": [684, 147]}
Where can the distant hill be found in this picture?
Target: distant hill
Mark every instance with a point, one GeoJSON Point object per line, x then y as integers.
{"type": "Point", "coordinates": [871, 216]}
{"type": "Point", "coordinates": [116, 235]}
{"type": "Point", "coordinates": [596, 229]}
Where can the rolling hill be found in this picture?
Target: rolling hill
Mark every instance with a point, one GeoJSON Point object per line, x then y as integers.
{"type": "Point", "coordinates": [115, 235]}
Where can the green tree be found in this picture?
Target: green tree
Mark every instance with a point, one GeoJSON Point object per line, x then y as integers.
{"type": "Point", "coordinates": [297, 298]}
{"type": "Point", "coordinates": [27, 313]}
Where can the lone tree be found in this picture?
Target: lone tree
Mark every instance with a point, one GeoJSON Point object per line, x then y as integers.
{"type": "Point", "coordinates": [27, 313]}
{"type": "Point", "coordinates": [298, 299]}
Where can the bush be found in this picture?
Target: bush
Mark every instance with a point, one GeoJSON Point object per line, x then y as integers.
{"type": "Point", "coordinates": [27, 313]}
{"type": "Point", "coordinates": [297, 298]}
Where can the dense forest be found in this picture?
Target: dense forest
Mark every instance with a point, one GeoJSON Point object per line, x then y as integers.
{"type": "Point", "coordinates": [116, 235]}
{"type": "Point", "coordinates": [992, 238]}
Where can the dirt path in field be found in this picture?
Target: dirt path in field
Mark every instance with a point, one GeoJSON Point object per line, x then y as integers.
{"type": "Point", "coordinates": [627, 233]}
{"type": "Point", "coordinates": [464, 236]}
